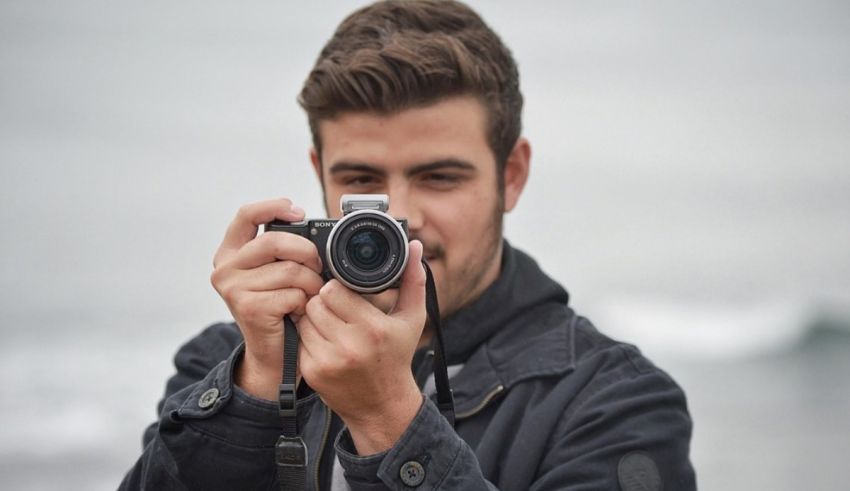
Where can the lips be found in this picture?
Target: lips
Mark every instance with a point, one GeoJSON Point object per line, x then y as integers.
{"type": "Point", "coordinates": [431, 256]}
{"type": "Point", "coordinates": [431, 252]}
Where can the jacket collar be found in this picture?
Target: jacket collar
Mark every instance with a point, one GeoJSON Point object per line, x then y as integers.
{"type": "Point", "coordinates": [520, 327]}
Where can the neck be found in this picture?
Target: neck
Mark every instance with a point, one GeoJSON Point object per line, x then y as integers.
{"type": "Point", "coordinates": [491, 274]}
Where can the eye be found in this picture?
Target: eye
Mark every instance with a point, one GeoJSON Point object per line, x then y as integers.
{"type": "Point", "coordinates": [441, 180]}
{"type": "Point", "coordinates": [360, 181]}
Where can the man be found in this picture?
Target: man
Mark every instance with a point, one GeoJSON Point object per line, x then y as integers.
{"type": "Point", "coordinates": [419, 101]}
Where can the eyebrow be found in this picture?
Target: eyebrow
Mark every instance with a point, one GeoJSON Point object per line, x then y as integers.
{"type": "Point", "coordinates": [441, 164]}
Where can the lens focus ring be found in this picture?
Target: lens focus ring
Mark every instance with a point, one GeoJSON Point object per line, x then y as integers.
{"type": "Point", "coordinates": [367, 250]}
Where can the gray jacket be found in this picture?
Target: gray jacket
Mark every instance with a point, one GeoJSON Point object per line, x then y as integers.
{"type": "Point", "coordinates": [543, 402]}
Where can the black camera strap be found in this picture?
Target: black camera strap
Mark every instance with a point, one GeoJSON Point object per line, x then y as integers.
{"type": "Point", "coordinates": [290, 451]}
{"type": "Point", "coordinates": [445, 399]}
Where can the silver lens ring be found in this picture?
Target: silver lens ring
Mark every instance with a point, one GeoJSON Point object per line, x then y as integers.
{"type": "Point", "coordinates": [341, 225]}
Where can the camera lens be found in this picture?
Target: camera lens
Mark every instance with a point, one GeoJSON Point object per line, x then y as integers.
{"type": "Point", "coordinates": [367, 251]}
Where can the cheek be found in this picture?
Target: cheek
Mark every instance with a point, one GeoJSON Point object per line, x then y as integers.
{"type": "Point", "coordinates": [464, 218]}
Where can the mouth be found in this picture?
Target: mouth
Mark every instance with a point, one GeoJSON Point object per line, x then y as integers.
{"type": "Point", "coordinates": [430, 257]}
{"type": "Point", "coordinates": [431, 252]}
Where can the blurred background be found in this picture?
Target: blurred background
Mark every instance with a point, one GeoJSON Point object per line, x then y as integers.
{"type": "Point", "coordinates": [690, 187]}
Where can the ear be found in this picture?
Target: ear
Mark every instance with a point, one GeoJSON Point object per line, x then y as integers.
{"type": "Point", "coordinates": [516, 172]}
{"type": "Point", "coordinates": [317, 165]}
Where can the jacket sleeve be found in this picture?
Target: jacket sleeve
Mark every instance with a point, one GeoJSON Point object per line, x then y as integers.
{"type": "Point", "coordinates": [210, 434]}
{"type": "Point", "coordinates": [632, 433]}
{"type": "Point", "coordinates": [625, 432]}
{"type": "Point", "coordinates": [429, 455]}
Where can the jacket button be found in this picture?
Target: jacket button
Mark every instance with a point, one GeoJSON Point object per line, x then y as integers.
{"type": "Point", "coordinates": [412, 473]}
{"type": "Point", "coordinates": [208, 398]}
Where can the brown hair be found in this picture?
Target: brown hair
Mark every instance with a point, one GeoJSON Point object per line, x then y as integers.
{"type": "Point", "coordinates": [395, 54]}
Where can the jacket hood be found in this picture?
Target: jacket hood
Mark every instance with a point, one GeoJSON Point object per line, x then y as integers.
{"type": "Point", "coordinates": [519, 328]}
{"type": "Point", "coordinates": [519, 291]}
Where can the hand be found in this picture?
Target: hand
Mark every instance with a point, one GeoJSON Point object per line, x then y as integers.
{"type": "Point", "coordinates": [358, 358]}
{"type": "Point", "coordinates": [261, 279]}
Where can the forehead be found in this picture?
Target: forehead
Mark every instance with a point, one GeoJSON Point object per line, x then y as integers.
{"type": "Point", "coordinates": [450, 128]}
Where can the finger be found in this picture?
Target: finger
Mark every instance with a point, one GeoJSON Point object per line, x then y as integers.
{"type": "Point", "coordinates": [345, 304]}
{"type": "Point", "coordinates": [279, 275]}
{"type": "Point", "coordinates": [322, 318]}
{"type": "Point", "coordinates": [309, 357]}
{"type": "Point", "coordinates": [263, 307]}
{"type": "Point", "coordinates": [274, 246]}
{"type": "Point", "coordinates": [411, 296]}
{"type": "Point", "coordinates": [243, 228]}
{"type": "Point", "coordinates": [310, 336]}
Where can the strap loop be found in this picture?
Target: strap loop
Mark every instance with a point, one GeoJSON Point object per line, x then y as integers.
{"type": "Point", "coordinates": [291, 452]}
{"type": "Point", "coordinates": [291, 461]}
{"type": "Point", "coordinates": [286, 400]}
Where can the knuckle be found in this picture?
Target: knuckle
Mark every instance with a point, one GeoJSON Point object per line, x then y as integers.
{"type": "Point", "coordinates": [331, 368]}
{"type": "Point", "coordinates": [243, 307]}
{"type": "Point", "coordinates": [305, 364]}
{"type": "Point", "coordinates": [348, 358]}
{"type": "Point", "coordinates": [300, 297]}
{"type": "Point", "coordinates": [313, 304]}
{"type": "Point", "coordinates": [215, 280]}
{"type": "Point", "coordinates": [329, 288]}
{"type": "Point", "coordinates": [243, 213]}
{"type": "Point", "coordinates": [281, 245]}
{"type": "Point", "coordinates": [288, 268]}
{"type": "Point", "coordinates": [293, 299]}
{"type": "Point", "coordinates": [217, 277]}
{"type": "Point", "coordinates": [377, 335]}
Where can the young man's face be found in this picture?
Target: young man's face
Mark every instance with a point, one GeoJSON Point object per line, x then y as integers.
{"type": "Point", "coordinates": [435, 164]}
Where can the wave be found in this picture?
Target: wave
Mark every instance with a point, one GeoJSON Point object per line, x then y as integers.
{"type": "Point", "coordinates": [700, 331]}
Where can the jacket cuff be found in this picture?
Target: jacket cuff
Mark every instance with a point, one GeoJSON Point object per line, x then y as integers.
{"type": "Point", "coordinates": [422, 457]}
{"type": "Point", "coordinates": [219, 408]}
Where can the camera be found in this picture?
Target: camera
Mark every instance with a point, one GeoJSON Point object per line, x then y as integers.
{"type": "Point", "coordinates": [366, 250]}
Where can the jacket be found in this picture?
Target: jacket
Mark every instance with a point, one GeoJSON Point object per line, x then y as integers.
{"type": "Point", "coordinates": [544, 401]}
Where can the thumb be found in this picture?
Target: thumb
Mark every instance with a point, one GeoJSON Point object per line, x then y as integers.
{"type": "Point", "coordinates": [411, 297]}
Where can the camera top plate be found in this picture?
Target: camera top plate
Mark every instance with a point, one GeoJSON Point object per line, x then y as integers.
{"type": "Point", "coordinates": [354, 202]}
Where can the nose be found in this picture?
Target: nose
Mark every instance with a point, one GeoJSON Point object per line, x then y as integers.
{"type": "Point", "coordinates": [404, 205]}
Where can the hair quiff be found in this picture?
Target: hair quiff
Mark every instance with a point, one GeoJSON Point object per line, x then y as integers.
{"type": "Point", "coordinates": [398, 54]}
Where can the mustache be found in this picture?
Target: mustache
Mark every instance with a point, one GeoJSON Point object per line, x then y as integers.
{"type": "Point", "coordinates": [429, 250]}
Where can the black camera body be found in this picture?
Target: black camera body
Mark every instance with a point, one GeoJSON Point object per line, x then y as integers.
{"type": "Point", "coordinates": [366, 250]}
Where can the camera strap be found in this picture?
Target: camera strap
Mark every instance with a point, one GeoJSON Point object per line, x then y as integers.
{"type": "Point", "coordinates": [290, 451]}
{"type": "Point", "coordinates": [445, 399]}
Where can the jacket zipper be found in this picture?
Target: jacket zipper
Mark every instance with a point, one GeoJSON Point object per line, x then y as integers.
{"type": "Point", "coordinates": [322, 446]}
{"type": "Point", "coordinates": [481, 405]}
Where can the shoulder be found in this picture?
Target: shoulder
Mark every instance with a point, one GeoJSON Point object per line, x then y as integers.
{"type": "Point", "coordinates": [595, 351]}
{"type": "Point", "coordinates": [615, 377]}
{"type": "Point", "coordinates": [209, 347]}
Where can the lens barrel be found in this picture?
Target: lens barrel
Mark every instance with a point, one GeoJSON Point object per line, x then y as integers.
{"type": "Point", "coordinates": [367, 251]}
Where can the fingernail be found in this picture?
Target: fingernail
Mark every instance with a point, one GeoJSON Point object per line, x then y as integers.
{"type": "Point", "coordinates": [296, 209]}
